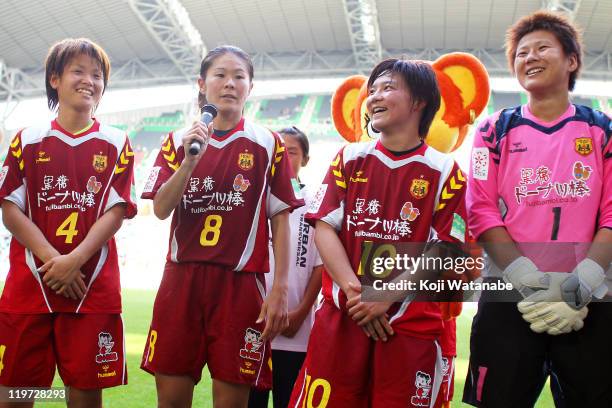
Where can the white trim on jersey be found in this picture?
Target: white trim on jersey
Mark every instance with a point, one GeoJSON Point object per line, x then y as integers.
{"type": "Point", "coordinates": [260, 287]}
{"type": "Point", "coordinates": [437, 376]}
{"type": "Point", "coordinates": [451, 374]}
{"type": "Point", "coordinates": [262, 292]}
{"type": "Point", "coordinates": [297, 404]}
{"type": "Point", "coordinates": [96, 272]}
{"type": "Point", "coordinates": [108, 185]}
{"type": "Point", "coordinates": [335, 217]}
{"type": "Point", "coordinates": [29, 258]}
{"type": "Point", "coordinates": [113, 199]}
{"type": "Point", "coordinates": [336, 294]}
{"type": "Point", "coordinates": [250, 244]}
{"type": "Point", "coordinates": [274, 205]}
{"type": "Point", "coordinates": [124, 367]}
{"type": "Point", "coordinates": [33, 135]}
{"type": "Point", "coordinates": [400, 312]}
{"type": "Point", "coordinates": [174, 247]}
{"type": "Point", "coordinates": [109, 134]}
{"type": "Point", "coordinates": [18, 195]}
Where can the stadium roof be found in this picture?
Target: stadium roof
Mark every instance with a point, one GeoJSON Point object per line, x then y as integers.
{"type": "Point", "coordinates": [155, 42]}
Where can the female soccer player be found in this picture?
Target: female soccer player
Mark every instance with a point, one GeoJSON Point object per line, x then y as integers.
{"type": "Point", "coordinates": [393, 190]}
{"type": "Point", "coordinates": [65, 190]}
{"type": "Point", "coordinates": [304, 277]}
{"type": "Point", "coordinates": [541, 178]}
{"type": "Point", "coordinates": [211, 306]}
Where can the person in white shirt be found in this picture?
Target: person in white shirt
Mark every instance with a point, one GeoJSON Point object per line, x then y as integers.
{"type": "Point", "coordinates": [304, 277]}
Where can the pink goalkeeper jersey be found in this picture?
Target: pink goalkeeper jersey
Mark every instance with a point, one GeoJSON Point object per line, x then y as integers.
{"type": "Point", "coordinates": [64, 183]}
{"type": "Point", "coordinates": [544, 182]}
{"type": "Point", "coordinates": [243, 178]}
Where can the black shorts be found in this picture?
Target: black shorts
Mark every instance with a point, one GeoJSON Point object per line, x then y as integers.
{"type": "Point", "coordinates": [286, 366]}
{"type": "Point", "coordinates": [509, 363]}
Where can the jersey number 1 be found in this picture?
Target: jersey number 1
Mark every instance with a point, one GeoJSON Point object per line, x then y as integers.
{"type": "Point", "coordinates": [556, 221]}
{"type": "Point", "coordinates": [68, 227]}
{"type": "Point", "coordinates": [212, 229]}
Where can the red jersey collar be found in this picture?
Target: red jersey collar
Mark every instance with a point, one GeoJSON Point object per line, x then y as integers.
{"type": "Point", "coordinates": [417, 151]}
{"type": "Point", "coordinates": [239, 127]}
{"type": "Point", "coordinates": [94, 128]}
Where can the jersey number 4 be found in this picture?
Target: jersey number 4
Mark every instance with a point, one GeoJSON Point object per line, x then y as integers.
{"type": "Point", "coordinates": [68, 227]}
{"type": "Point", "coordinates": [212, 230]}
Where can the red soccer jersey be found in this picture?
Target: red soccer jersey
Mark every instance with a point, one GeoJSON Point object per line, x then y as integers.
{"type": "Point", "coordinates": [64, 183]}
{"type": "Point", "coordinates": [369, 194]}
{"type": "Point", "coordinates": [243, 178]}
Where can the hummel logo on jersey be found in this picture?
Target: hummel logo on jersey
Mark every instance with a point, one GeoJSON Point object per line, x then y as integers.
{"type": "Point", "coordinates": [42, 157]}
{"type": "Point", "coordinates": [358, 178]}
{"type": "Point", "coordinates": [518, 148]}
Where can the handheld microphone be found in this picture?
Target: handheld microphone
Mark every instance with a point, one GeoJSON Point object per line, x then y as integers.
{"type": "Point", "coordinates": [209, 112]}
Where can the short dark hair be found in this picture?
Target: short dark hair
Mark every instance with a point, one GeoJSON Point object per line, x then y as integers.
{"type": "Point", "coordinates": [62, 52]}
{"type": "Point", "coordinates": [422, 84]}
{"type": "Point", "coordinates": [299, 135]}
{"type": "Point", "coordinates": [567, 33]}
{"type": "Point", "coordinates": [215, 53]}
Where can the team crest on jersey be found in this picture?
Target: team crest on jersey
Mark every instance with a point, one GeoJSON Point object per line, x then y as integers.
{"type": "Point", "coordinates": [106, 353]}
{"type": "Point", "coordinates": [100, 162]}
{"type": "Point", "coordinates": [419, 188]}
{"type": "Point", "coordinates": [246, 161]}
{"type": "Point", "coordinates": [252, 344]}
{"type": "Point", "coordinates": [408, 212]}
{"type": "Point", "coordinates": [42, 157]}
{"type": "Point", "coordinates": [422, 395]}
{"type": "Point", "coordinates": [583, 145]}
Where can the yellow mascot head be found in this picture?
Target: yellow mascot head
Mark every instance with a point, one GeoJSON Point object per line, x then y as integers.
{"type": "Point", "coordinates": [464, 90]}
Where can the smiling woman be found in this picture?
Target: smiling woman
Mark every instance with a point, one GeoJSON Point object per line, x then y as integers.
{"type": "Point", "coordinates": [220, 200]}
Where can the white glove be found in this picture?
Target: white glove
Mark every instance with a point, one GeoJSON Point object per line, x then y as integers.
{"type": "Point", "coordinates": [553, 317]}
{"type": "Point", "coordinates": [586, 280]}
{"type": "Point", "coordinates": [547, 288]}
{"type": "Point", "coordinates": [524, 276]}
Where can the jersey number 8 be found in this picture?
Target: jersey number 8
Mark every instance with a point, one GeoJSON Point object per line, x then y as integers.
{"type": "Point", "coordinates": [212, 230]}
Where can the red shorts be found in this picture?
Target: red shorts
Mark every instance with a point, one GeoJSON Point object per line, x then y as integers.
{"type": "Point", "coordinates": [87, 348]}
{"type": "Point", "coordinates": [344, 368]}
{"type": "Point", "coordinates": [205, 314]}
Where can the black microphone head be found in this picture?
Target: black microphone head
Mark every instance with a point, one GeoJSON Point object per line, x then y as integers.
{"type": "Point", "coordinates": [209, 108]}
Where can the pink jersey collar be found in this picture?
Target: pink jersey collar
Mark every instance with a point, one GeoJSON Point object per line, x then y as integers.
{"type": "Point", "coordinates": [94, 128]}
{"type": "Point", "coordinates": [526, 113]}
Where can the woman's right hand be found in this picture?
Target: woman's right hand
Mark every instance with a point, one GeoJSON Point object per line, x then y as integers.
{"type": "Point", "coordinates": [199, 132]}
